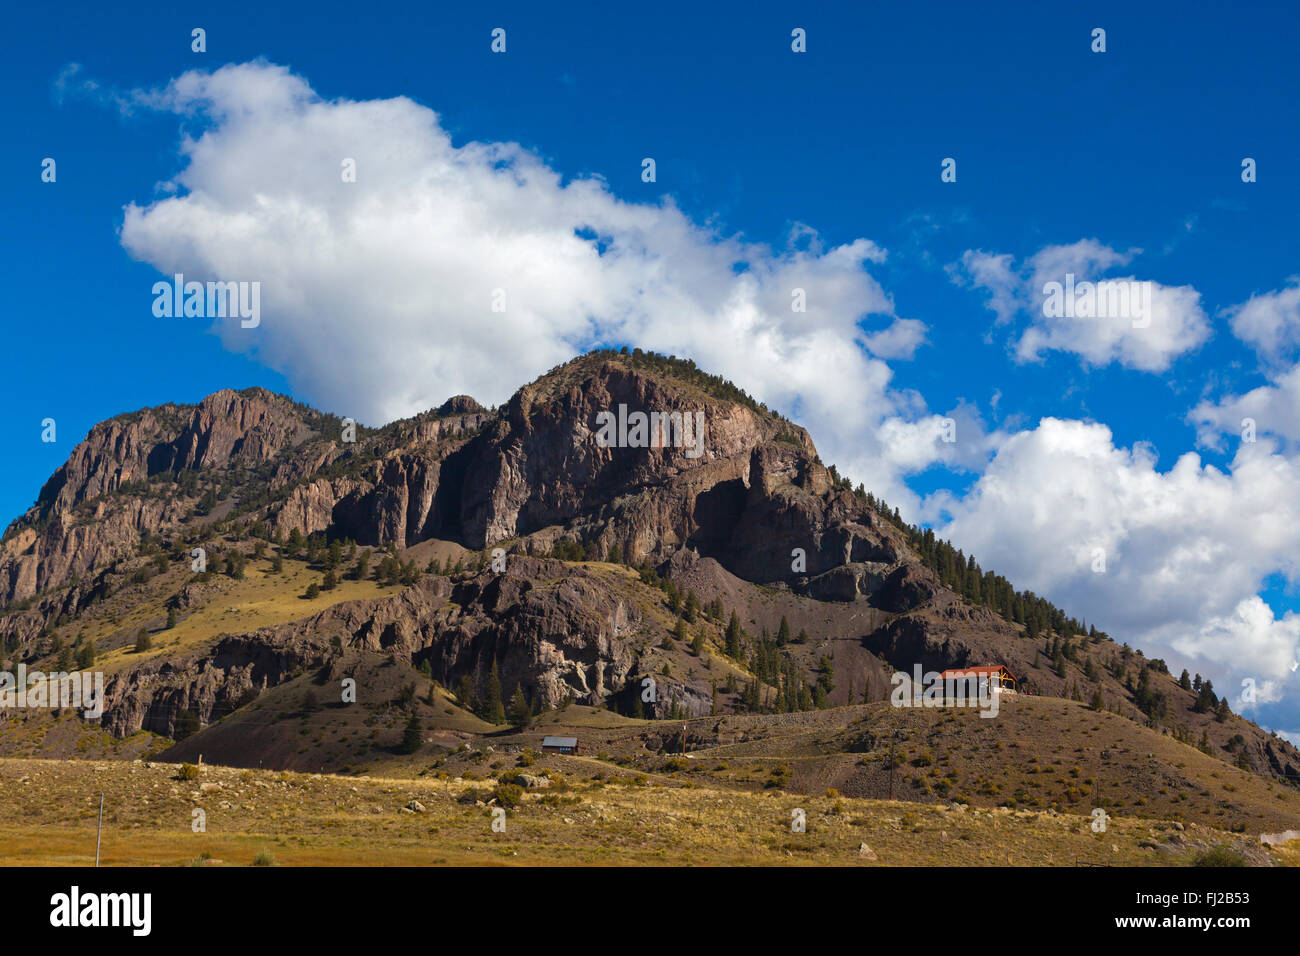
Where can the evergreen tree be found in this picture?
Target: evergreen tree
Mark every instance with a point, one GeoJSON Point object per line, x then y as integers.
{"type": "Point", "coordinates": [783, 633]}
{"type": "Point", "coordinates": [413, 736]}
{"type": "Point", "coordinates": [733, 636]}
{"type": "Point", "coordinates": [465, 692]}
{"type": "Point", "coordinates": [494, 710]}
{"type": "Point", "coordinates": [142, 642]}
{"type": "Point", "coordinates": [674, 597]}
{"type": "Point", "coordinates": [519, 709]}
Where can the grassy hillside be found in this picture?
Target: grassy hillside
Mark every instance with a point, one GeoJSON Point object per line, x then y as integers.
{"type": "Point", "coordinates": [48, 813]}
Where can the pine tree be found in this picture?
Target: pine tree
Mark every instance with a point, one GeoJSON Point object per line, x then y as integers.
{"type": "Point", "coordinates": [494, 710]}
{"type": "Point", "coordinates": [733, 636]}
{"type": "Point", "coordinates": [413, 736]}
{"type": "Point", "coordinates": [142, 642]}
{"type": "Point", "coordinates": [519, 709]}
{"type": "Point", "coordinates": [465, 692]}
{"type": "Point", "coordinates": [783, 633]}
{"type": "Point", "coordinates": [171, 618]}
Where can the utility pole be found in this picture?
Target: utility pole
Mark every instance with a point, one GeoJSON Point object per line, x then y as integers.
{"type": "Point", "coordinates": [100, 833]}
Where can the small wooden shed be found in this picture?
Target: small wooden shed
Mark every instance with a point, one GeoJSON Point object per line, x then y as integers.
{"type": "Point", "coordinates": [559, 745]}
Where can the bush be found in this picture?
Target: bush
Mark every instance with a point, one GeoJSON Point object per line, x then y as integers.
{"type": "Point", "coordinates": [189, 772]}
{"type": "Point", "coordinates": [142, 641]}
{"type": "Point", "coordinates": [1219, 856]}
{"type": "Point", "coordinates": [264, 859]}
{"type": "Point", "coordinates": [313, 591]}
{"type": "Point", "coordinates": [509, 795]}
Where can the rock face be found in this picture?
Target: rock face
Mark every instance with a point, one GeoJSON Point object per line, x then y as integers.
{"type": "Point", "coordinates": [749, 493]}
{"type": "Point", "coordinates": [99, 503]}
{"type": "Point", "coordinates": [569, 641]}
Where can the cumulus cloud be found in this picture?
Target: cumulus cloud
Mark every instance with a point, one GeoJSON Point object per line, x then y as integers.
{"type": "Point", "coordinates": [1270, 324]}
{"type": "Point", "coordinates": [1249, 633]}
{"type": "Point", "coordinates": [1267, 410]}
{"type": "Point", "coordinates": [1143, 325]}
{"type": "Point", "coordinates": [1184, 552]}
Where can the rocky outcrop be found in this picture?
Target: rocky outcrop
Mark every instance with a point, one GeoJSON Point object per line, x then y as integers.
{"type": "Point", "coordinates": [99, 503]}
{"type": "Point", "coordinates": [569, 640]}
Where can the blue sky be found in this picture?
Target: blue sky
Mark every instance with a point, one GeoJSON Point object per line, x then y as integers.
{"type": "Point", "coordinates": [1137, 148]}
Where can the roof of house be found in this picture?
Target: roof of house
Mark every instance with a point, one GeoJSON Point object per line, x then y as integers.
{"type": "Point", "coordinates": [977, 669]}
{"type": "Point", "coordinates": [559, 741]}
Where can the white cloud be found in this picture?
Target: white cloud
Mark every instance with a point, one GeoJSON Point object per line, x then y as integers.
{"type": "Point", "coordinates": [1170, 324]}
{"type": "Point", "coordinates": [1274, 410]}
{"type": "Point", "coordinates": [1186, 550]}
{"type": "Point", "coordinates": [1270, 323]}
{"type": "Point", "coordinates": [1249, 634]}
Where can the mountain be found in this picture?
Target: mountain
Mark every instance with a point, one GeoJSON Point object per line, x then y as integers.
{"type": "Point", "coordinates": [549, 547]}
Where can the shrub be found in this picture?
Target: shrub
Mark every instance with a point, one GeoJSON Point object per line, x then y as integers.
{"type": "Point", "coordinates": [509, 795]}
{"type": "Point", "coordinates": [1219, 856]}
{"type": "Point", "coordinates": [188, 772]}
{"type": "Point", "coordinates": [264, 859]}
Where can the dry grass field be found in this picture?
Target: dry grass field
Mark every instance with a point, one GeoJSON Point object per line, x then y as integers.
{"type": "Point", "coordinates": [48, 813]}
